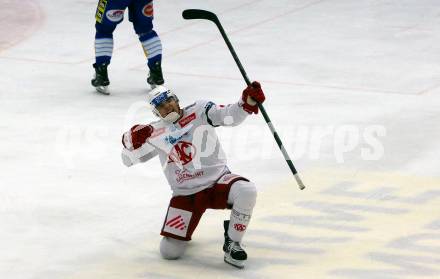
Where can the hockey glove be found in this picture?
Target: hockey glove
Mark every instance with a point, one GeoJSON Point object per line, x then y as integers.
{"type": "Point", "coordinates": [252, 95]}
{"type": "Point", "coordinates": [137, 136]}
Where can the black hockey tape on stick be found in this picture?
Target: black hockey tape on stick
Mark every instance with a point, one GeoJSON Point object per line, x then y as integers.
{"type": "Point", "coordinates": [207, 15]}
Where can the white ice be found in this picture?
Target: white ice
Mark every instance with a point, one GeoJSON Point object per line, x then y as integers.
{"type": "Point", "coordinates": [344, 69]}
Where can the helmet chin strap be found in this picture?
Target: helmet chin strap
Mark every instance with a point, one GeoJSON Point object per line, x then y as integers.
{"type": "Point", "coordinates": [171, 117]}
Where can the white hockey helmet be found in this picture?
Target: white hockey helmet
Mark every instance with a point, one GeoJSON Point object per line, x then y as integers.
{"type": "Point", "coordinates": [159, 95]}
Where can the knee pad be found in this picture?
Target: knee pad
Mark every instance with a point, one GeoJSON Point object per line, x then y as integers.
{"type": "Point", "coordinates": [141, 22]}
{"type": "Point", "coordinates": [105, 29]}
{"type": "Point", "coordinates": [147, 35]}
{"type": "Point", "coordinates": [243, 194]}
{"type": "Point", "coordinates": [140, 29]}
{"type": "Point", "coordinates": [172, 249]}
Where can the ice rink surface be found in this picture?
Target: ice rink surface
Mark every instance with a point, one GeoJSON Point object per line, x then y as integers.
{"type": "Point", "coordinates": [352, 86]}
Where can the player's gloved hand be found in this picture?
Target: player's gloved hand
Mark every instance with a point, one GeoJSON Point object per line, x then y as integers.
{"type": "Point", "coordinates": [137, 136]}
{"type": "Point", "coordinates": [252, 95]}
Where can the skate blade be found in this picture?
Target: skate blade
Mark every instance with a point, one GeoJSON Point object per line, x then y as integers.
{"type": "Point", "coordinates": [102, 90]}
{"type": "Point", "coordinates": [235, 263]}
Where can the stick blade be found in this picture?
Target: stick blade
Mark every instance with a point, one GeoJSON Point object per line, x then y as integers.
{"type": "Point", "coordinates": [199, 14]}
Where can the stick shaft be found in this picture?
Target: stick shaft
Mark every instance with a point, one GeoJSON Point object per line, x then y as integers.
{"type": "Point", "coordinates": [201, 14]}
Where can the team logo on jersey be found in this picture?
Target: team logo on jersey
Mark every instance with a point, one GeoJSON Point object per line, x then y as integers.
{"type": "Point", "coordinates": [115, 15]}
{"type": "Point", "coordinates": [182, 153]}
{"type": "Point", "coordinates": [185, 121]}
{"type": "Point", "coordinates": [148, 10]}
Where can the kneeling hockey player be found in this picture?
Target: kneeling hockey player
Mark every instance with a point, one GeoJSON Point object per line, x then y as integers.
{"type": "Point", "coordinates": [195, 167]}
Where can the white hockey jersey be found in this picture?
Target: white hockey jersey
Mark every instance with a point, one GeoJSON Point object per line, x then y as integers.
{"type": "Point", "coordinates": [189, 150]}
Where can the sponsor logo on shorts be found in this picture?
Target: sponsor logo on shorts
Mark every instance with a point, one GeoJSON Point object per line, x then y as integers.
{"type": "Point", "coordinates": [239, 227]}
{"type": "Point", "coordinates": [115, 15]}
{"type": "Point", "coordinates": [148, 10]}
{"type": "Point", "coordinates": [177, 221]}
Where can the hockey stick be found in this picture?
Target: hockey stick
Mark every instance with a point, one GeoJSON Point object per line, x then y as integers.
{"type": "Point", "coordinates": [202, 14]}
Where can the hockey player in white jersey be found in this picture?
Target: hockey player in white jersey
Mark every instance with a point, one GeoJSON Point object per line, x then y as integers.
{"type": "Point", "coordinates": [195, 167]}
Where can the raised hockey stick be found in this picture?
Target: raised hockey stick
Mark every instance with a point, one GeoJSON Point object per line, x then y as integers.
{"type": "Point", "coordinates": [202, 14]}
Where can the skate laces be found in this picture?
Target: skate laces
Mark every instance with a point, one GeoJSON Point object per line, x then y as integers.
{"type": "Point", "coordinates": [234, 246]}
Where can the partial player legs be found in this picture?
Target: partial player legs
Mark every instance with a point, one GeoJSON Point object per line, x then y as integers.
{"type": "Point", "coordinates": [184, 213]}
{"type": "Point", "coordinates": [103, 47]}
{"type": "Point", "coordinates": [242, 196]}
{"type": "Point", "coordinates": [153, 51]}
{"type": "Point", "coordinates": [108, 15]}
{"type": "Point", "coordinates": [100, 80]}
{"type": "Point", "coordinates": [103, 54]}
{"type": "Point", "coordinates": [141, 13]}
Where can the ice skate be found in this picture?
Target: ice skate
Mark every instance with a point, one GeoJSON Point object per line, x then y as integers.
{"type": "Point", "coordinates": [234, 254]}
{"type": "Point", "coordinates": [155, 76]}
{"type": "Point", "coordinates": [100, 80]}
